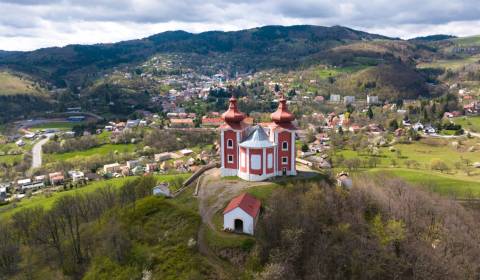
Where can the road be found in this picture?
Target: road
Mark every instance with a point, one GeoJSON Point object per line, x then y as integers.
{"type": "Point", "coordinates": [37, 152]}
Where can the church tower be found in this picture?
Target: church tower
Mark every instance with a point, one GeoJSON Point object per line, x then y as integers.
{"type": "Point", "coordinates": [231, 134]}
{"type": "Point", "coordinates": [282, 132]}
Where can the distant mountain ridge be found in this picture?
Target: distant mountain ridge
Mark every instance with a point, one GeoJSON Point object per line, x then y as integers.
{"type": "Point", "coordinates": [264, 45]}
{"type": "Point", "coordinates": [431, 38]}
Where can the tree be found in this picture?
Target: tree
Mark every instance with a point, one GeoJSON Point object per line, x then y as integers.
{"type": "Point", "coordinates": [439, 165]}
{"type": "Point", "coordinates": [393, 125]}
{"type": "Point", "coordinates": [305, 148]}
{"type": "Point", "coordinates": [370, 113]}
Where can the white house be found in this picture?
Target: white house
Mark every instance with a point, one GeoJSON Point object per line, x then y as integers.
{"type": "Point", "coordinates": [348, 99]}
{"type": "Point", "coordinates": [372, 100]}
{"type": "Point", "coordinates": [241, 214]}
{"type": "Point", "coordinates": [162, 190]}
{"type": "Point", "coordinates": [76, 175]}
{"type": "Point", "coordinates": [335, 98]}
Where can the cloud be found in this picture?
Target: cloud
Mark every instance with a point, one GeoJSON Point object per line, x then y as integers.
{"type": "Point", "coordinates": [30, 24]}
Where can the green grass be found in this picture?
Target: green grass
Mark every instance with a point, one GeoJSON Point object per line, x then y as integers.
{"type": "Point", "coordinates": [10, 159]}
{"type": "Point", "coordinates": [421, 152]}
{"type": "Point", "coordinates": [469, 123]}
{"type": "Point", "coordinates": [101, 150]}
{"type": "Point", "coordinates": [437, 182]}
{"type": "Point", "coordinates": [55, 125]}
{"type": "Point", "coordinates": [332, 72]}
{"type": "Point", "coordinates": [47, 201]}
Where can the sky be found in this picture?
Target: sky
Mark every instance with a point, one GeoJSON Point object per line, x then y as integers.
{"type": "Point", "coordinates": [33, 24]}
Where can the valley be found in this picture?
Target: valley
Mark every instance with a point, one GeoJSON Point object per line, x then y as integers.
{"type": "Point", "coordinates": [117, 161]}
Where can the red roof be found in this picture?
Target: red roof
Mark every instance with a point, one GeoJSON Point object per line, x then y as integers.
{"type": "Point", "coordinates": [246, 202]}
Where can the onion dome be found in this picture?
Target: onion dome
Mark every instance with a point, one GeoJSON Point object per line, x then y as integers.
{"type": "Point", "coordinates": [282, 115]}
{"type": "Point", "coordinates": [233, 115]}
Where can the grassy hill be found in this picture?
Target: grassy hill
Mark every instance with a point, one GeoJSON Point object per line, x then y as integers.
{"type": "Point", "coordinates": [14, 84]}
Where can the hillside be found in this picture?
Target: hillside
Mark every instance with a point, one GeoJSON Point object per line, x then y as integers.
{"type": "Point", "coordinates": [267, 46]}
{"type": "Point", "coordinates": [389, 81]}
{"type": "Point", "coordinates": [14, 84]}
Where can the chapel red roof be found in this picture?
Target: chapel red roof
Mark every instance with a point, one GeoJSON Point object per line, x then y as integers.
{"type": "Point", "coordinates": [246, 202]}
{"type": "Point", "coordinates": [282, 115]}
{"type": "Point", "coordinates": [233, 115]}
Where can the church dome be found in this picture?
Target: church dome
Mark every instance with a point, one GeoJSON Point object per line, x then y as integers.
{"type": "Point", "coordinates": [282, 115]}
{"type": "Point", "coordinates": [233, 114]}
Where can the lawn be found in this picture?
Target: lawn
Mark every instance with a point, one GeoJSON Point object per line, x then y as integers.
{"type": "Point", "coordinates": [101, 150]}
{"type": "Point", "coordinates": [440, 183]}
{"type": "Point", "coordinates": [47, 201]}
{"type": "Point", "coordinates": [469, 123]}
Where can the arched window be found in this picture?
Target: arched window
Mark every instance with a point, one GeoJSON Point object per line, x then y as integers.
{"type": "Point", "coordinates": [230, 143]}
{"type": "Point", "coordinates": [284, 146]}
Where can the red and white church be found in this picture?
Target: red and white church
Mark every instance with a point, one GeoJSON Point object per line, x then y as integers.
{"type": "Point", "coordinates": [259, 152]}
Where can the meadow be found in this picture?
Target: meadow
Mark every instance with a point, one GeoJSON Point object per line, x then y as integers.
{"type": "Point", "coordinates": [443, 184]}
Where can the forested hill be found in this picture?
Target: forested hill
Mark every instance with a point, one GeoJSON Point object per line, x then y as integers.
{"type": "Point", "coordinates": [269, 46]}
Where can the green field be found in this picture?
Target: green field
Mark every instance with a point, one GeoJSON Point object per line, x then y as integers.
{"type": "Point", "coordinates": [469, 123]}
{"type": "Point", "coordinates": [418, 151]}
{"type": "Point", "coordinates": [101, 150]}
{"type": "Point", "coordinates": [332, 72]}
{"type": "Point", "coordinates": [47, 201]}
{"type": "Point", "coordinates": [10, 159]}
{"type": "Point", "coordinates": [436, 182]}
{"type": "Point", "coordinates": [55, 125]}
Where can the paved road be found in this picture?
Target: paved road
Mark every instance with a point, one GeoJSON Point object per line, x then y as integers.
{"type": "Point", "coordinates": [37, 152]}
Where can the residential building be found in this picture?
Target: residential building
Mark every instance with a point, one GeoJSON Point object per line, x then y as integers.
{"type": "Point", "coordinates": [111, 168]}
{"type": "Point", "coordinates": [372, 100]}
{"type": "Point", "coordinates": [335, 98]}
{"type": "Point", "coordinates": [163, 157]}
{"type": "Point", "coordinates": [77, 176]}
{"type": "Point", "coordinates": [348, 99]}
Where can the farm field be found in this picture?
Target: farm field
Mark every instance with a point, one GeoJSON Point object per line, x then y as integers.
{"type": "Point", "coordinates": [47, 201]}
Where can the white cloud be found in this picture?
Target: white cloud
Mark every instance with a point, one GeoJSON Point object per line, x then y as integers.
{"type": "Point", "coordinates": [31, 24]}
